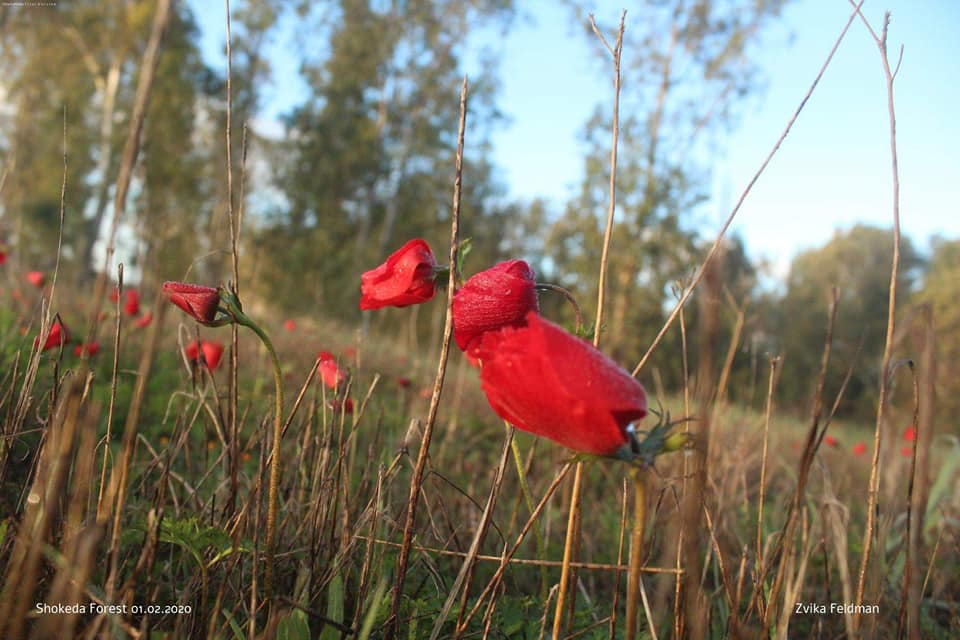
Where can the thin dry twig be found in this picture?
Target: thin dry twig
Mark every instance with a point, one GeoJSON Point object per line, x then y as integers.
{"type": "Point", "coordinates": [417, 480]}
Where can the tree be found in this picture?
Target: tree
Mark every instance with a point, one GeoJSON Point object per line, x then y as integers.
{"type": "Point", "coordinates": [941, 289]}
{"type": "Point", "coordinates": [688, 64]}
{"type": "Point", "coordinates": [857, 262]}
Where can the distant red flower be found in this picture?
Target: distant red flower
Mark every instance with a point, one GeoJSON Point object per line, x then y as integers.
{"type": "Point", "coordinates": [144, 320]}
{"type": "Point", "coordinates": [859, 449]}
{"type": "Point", "coordinates": [58, 336]}
{"type": "Point", "coordinates": [37, 278]}
{"type": "Point", "coordinates": [910, 434]}
{"type": "Point", "coordinates": [198, 301]}
{"type": "Point", "coordinates": [346, 403]}
{"type": "Point", "coordinates": [211, 351]}
{"type": "Point", "coordinates": [132, 305]}
{"type": "Point", "coordinates": [92, 349]}
{"type": "Point", "coordinates": [330, 372]}
{"type": "Point", "coordinates": [407, 277]}
{"type": "Point", "coordinates": [426, 393]}
{"type": "Point", "coordinates": [499, 297]}
{"type": "Point", "coordinates": [350, 353]}
{"type": "Point", "coordinates": [290, 325]}
{"type": "Point", "coordinates": [906, 451]}
{"type": "Point", "coordinates": [115, 294]}
{"type": "Point", "coordinates": [3, 257]}
{"type": "Point", "coordinates": [830, 441]}
{"type": "Point", "coordinates": [404, 383]}
{"type": "Point", "coordinates": [548, 382]}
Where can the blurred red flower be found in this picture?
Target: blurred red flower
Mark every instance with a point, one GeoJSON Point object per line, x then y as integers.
{"type": "Point", "coordinates": [548, 382]}
{"type": "Point", "coordinates": [144, 320]}
{"type": "Point", "coordinates": [337, 403]}
{"type": "Point", "coordinates": [37, 278]}
{"type": "Point", "coordinates": [330, 372]}
{"type": "Point", "coordinates": [289, 325]}
{"type": "Point", "coordinates": [499, 297]}
{"type": "Point", "coordinates": [211, 352]}
{"type": "Point", "coordinates": [58, 335]}
{"type": "Point", "coordinates": [830, 441]}
{"type": "Point", "coordinates": [859, 449]}
{"type": "Point", "coordinates": [906, 451]}
{"type": "Point", "coordinates": [404, 383]}
{"type": "Point", "coordinates": [92, 349]}
{"type": "Point", "coordinates": [199, 302]}
{"type": "Point", "coordinates": [3, 257]}
{"type": "Point", "coordinates": [132, 305]}
{"type": "Point", "coordinates": [406, 278]}
{"type": "Point", "coordinates": [115, 294]}
{"type": "Point", "coordinates": [910, 434]}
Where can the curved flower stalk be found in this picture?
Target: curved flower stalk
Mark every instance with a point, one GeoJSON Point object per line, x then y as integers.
{"type": "Point", "coordinates": [216, 307]}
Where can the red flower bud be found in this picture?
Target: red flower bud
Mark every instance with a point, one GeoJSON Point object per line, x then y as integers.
{"type": "Point", "coordinates": [211, 351]}
{"type": "Point", "coordinates": [859, 449]}
{"type": "Point", "coordinates": [199, 302]}
{"type": "Point", "coordinates": [58, 336]}
{"type": "Point", "coordinates": [406, 278]}
{"type": "Point", "coordinates": [499, 297]}
{"type": "Point", "coordinates": [92, 349]}
{"type": "Point", "coordinates": [132, 306]}
{"type": "Point", "coordinates": [548, 382]}
{"type": "Point", "coordinates": [330, 372]}
{"type": "Point", "coordinates": [37, 279]}
{"type": "Point", "coordinates": [144, 320]}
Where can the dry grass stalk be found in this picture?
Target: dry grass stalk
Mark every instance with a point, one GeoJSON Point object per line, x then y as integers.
{"type": "Point", "coordinates": [416, 480]}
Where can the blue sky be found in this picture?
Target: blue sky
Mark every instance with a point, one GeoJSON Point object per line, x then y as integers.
{"type": "Point", "coordinates": [832, 172]}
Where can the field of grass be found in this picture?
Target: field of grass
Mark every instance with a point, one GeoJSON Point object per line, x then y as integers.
{"type": "Point", "coordinates": [164, 519]}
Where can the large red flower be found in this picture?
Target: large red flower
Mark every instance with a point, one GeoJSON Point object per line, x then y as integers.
{"type": "Point", "coordinates": [330, 372]}
{"type": "Point", "coordinates": [548, 382]}
{"type": "Point", "coordinates": [212, 352]}
{"type": "Point", "coordinates": [58, 336]}
{"type": "Point", "coordinates": [499, 297]}
{"type": "Point", "coordinates": [406, 278]}
{"type": "Point", "coordinates": [198, 301]}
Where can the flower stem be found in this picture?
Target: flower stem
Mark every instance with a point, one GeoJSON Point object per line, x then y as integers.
{"type": "Point", "coordinates": [544, 286]}
{"type": "Point", "coordinates": [274, 484]}
{"type": "Point", "coordinates": [636, 551]}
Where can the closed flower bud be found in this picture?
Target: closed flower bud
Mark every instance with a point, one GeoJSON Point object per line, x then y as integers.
{"type": "Point", "coordinates": [407, 277]}
{"type": "Point", "coordinates": [199, 302]}
{"type": "Point", "coordinates": [550, 383]}
{"type": "Point", "coordinates": [499, 297]}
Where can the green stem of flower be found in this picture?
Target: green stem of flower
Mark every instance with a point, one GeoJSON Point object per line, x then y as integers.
{"type": "Point", "coordinates": [545, 286]}
{"type": "Point", "coordinates": [234, 310]}
{"type": "Point", "coordinates": [636, 551]}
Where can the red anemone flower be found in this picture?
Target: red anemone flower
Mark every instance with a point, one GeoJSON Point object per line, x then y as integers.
{"type": "Point", "coordinates": [499, 297]}
{"type": "Point", "coordinates": [550, 383]}
{"type": "Point", "coordinates": [37, 278]}
{"type": "Point", "coordinates": [211, 351]}
{"type": "Point", "coordinates": [859, 449]}
{"type": "Point", "coordinates": [132, 306]}
{"type": "Point", "coordinates": [330, 372]}
{"type": "Point", "coordinates": [198, 301]}
{"type": "Point", "coordinates": [92, 349]}
{"type": "Point", "coordinates": [58, 335]}
{"type": "Point", "coordinates": [406, 278]}
{"type": "Point", "coordinates": [144, 320]}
